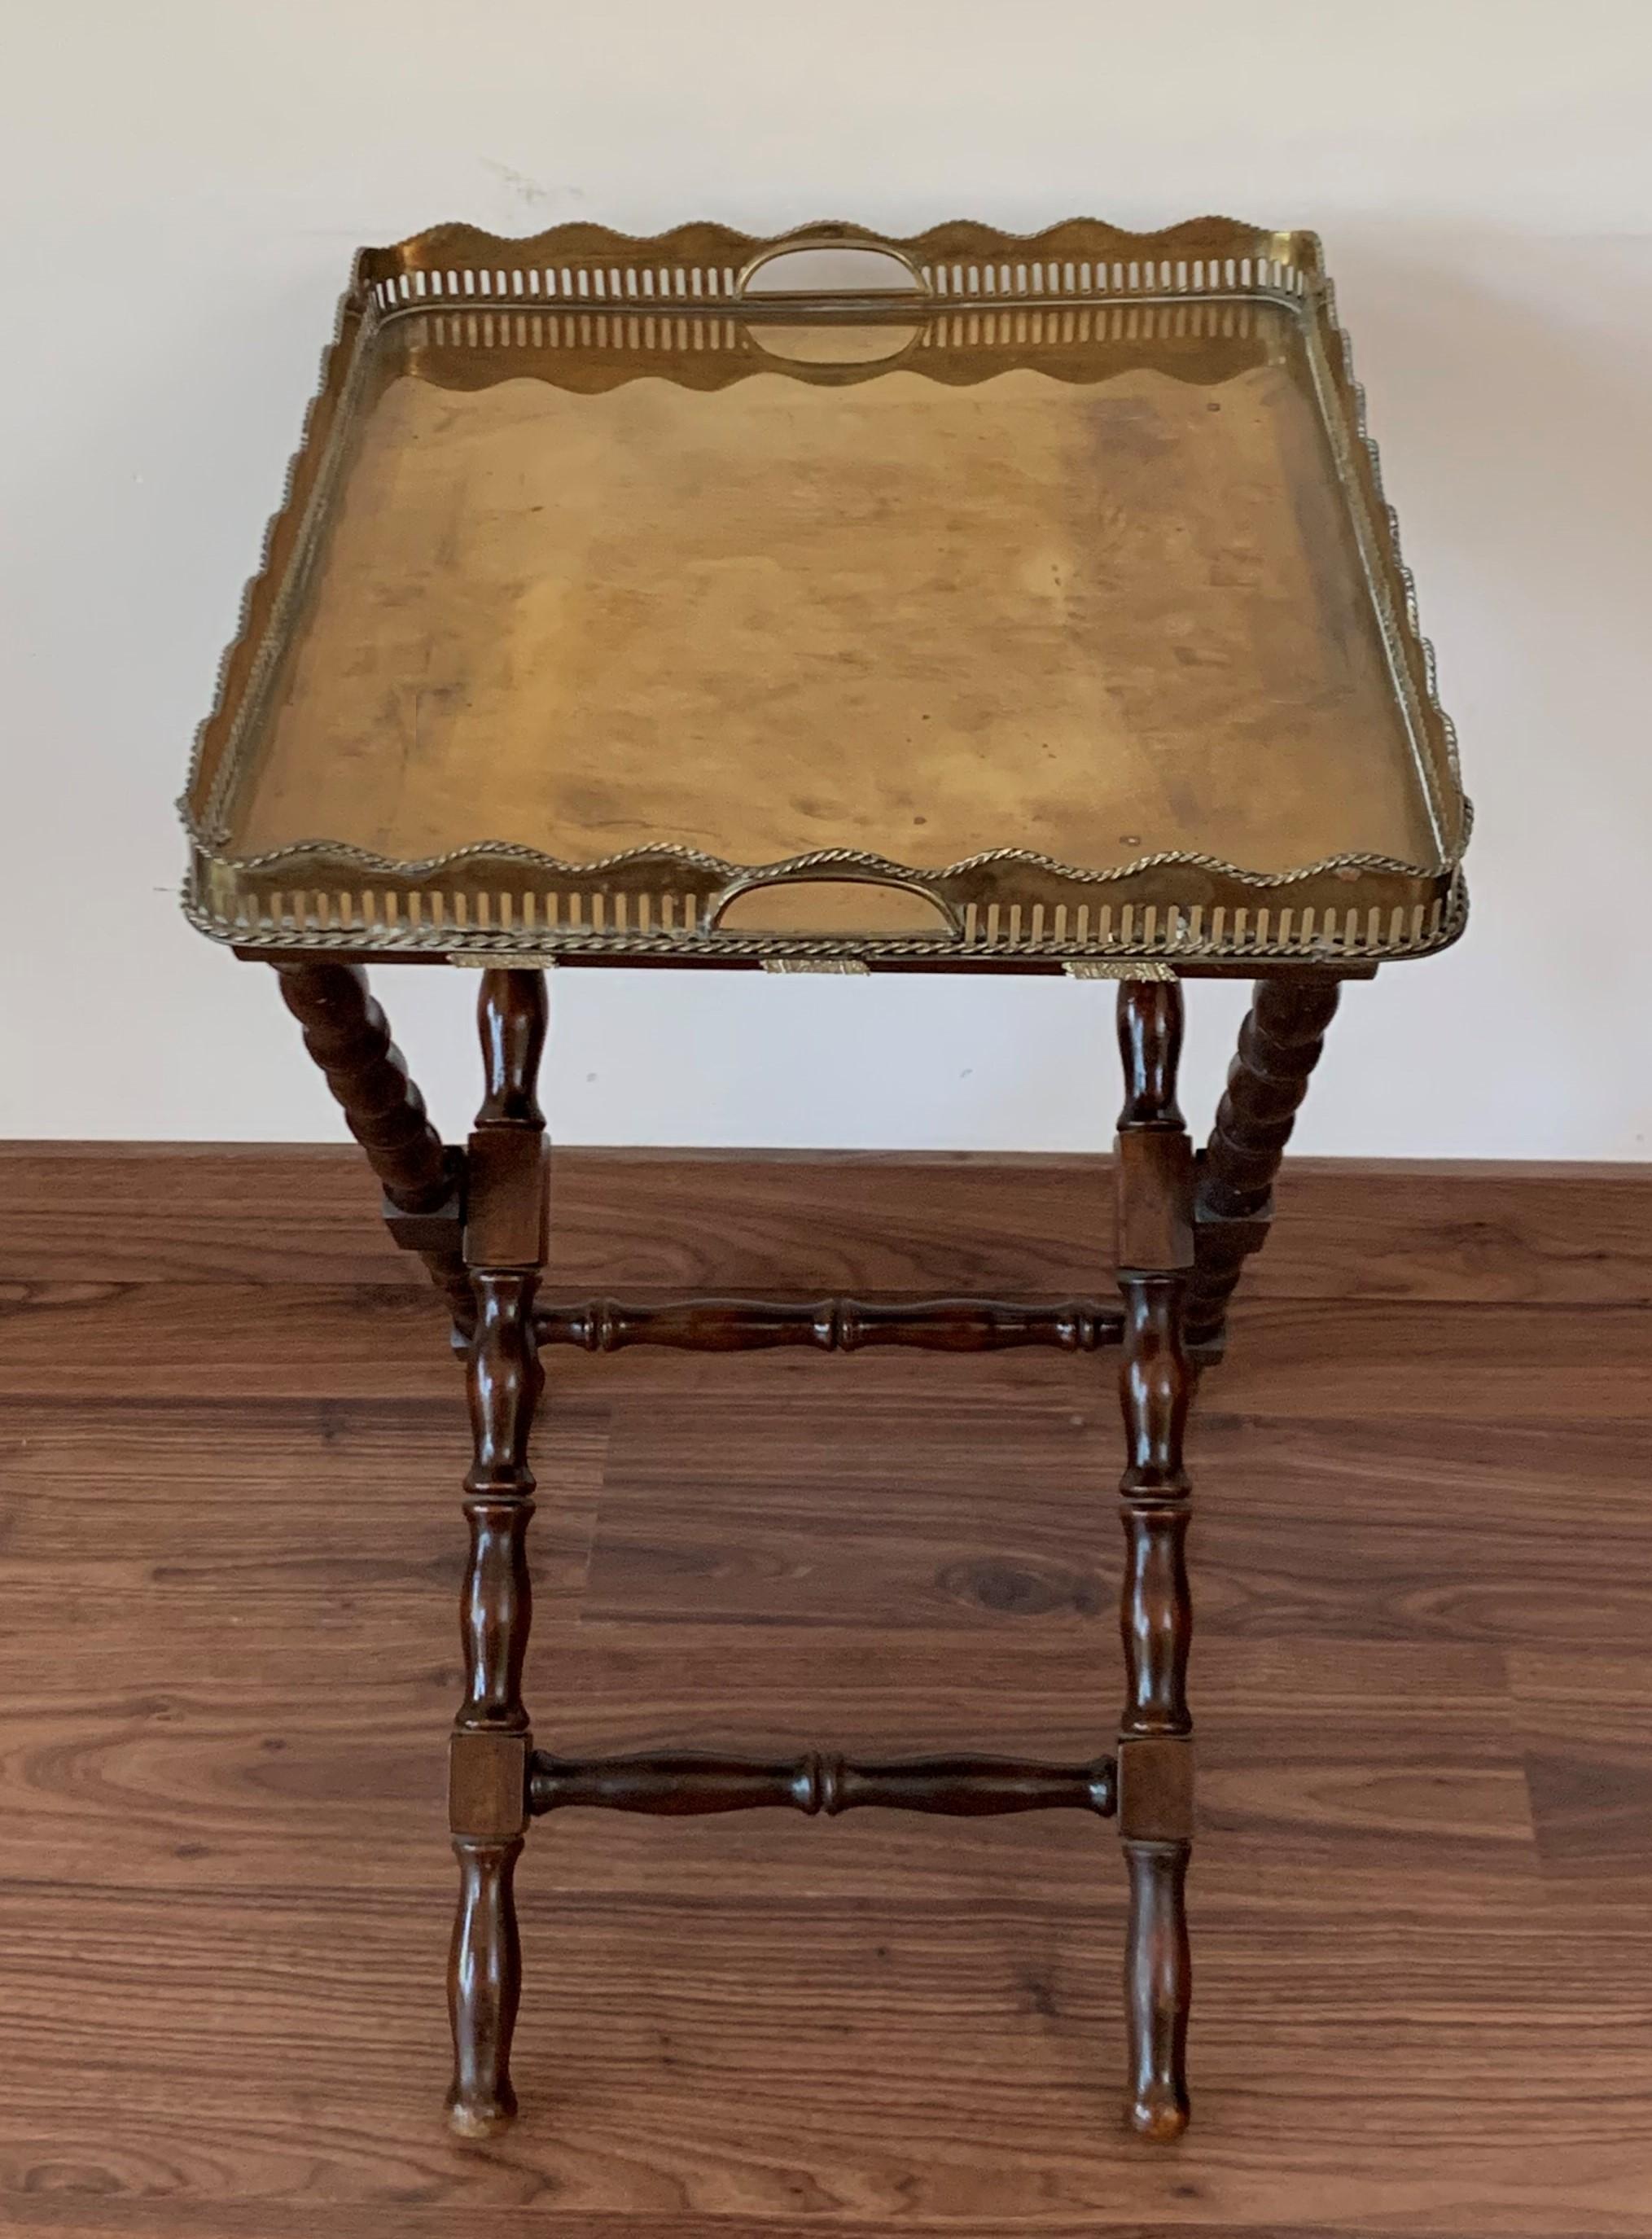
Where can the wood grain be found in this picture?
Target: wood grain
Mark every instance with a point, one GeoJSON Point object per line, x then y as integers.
{"type": "Point", "coordinates": [667, 1222]}
{"type": "Point", "coordinates": [1422, 1555]}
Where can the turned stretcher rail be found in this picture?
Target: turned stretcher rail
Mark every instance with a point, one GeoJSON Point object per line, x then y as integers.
{"type": "Point", "coordinates": [683, 1782]}
{"type": "Point", "coordinates": [831, 1324]}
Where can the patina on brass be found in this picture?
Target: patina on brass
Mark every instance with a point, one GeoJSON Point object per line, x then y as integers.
{"type": "Point", "coordinates": [983, 600]}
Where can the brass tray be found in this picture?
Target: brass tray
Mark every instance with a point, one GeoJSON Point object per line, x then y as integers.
{"type": "Point", "coordinates": [959, 599]}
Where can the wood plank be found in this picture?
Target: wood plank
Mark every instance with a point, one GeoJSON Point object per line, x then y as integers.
{"type": "Point", "coordinates": [291, 2047]}
{"type": "Point", "coordinates": [1009, 1513]}
{"type": "Point", "coordinates": [238, 1340]}
{"type": "Point", "coordinates": [178, 1763]}
{"type": "Point", "coordinates": [316, 1503]}
{"type": "Point", "coordinates": [1581, 1710]}
{"type": "Point", "coordinates": [658, 1222]}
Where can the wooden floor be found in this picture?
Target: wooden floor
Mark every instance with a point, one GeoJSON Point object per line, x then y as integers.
{"type": "Point", "coordinates": [1423, 1675]}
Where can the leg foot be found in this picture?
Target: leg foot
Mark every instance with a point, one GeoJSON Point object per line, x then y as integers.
{"type": "Point", "coordinates": [1157, 1988]}
{"type": "Point", "coordinates": [484, 1986]}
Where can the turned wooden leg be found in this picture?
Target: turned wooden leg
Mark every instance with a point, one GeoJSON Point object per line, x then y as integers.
{"type": "Point", "coordinates": [1279, 1046]}
{"type": "Point", "coordinates": [487, 1794]}
{"type": "Point", "coordinates": [1154, 1170]}
{"type": "Point", "coordinates": [346, 1033]}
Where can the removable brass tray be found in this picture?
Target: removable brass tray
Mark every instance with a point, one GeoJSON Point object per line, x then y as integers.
{"type": "Point", "coordinates": [955, 599]}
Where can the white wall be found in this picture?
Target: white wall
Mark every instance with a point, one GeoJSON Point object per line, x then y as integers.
{"type": "Point", "coordinates": [185, 183]}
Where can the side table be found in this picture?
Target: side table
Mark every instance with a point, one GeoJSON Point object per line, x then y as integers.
{"type": "Point", "coordinates": [831, 602]}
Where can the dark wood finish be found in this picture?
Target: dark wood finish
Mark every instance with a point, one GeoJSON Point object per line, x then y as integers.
{"type": "Point", "coordinates": [505, 1182]}
{"type": "Point", "coordinates": [506, 1216]}
{"type": "Point", "coordinates": [1279, 1045]}
{"type": "Point", "coordinates": [831, 1324]}
{"type": "Point", "coordinates": [484, 1984]}
{"type": "Point", "coordinates": [1155, 1386]}
{"type": "Point", "coordinates": [506, 1231]}
{"type": "Point", "coordinates": [503, 1385]}
{"type": "Point", "coordinates": [500, 1193]}
{"type": "Point", "coordinates": [1152, 1184]}
{"type": "Point", "coordinates": [512, 1015]}
{"type": "Point", "coordinates": [484, 1968]}
{"type": "Point", "coordinates": [1158, 1979]}
{"type": "Point", "coordinates": [677, 1784]}
{"type": "Point", "coordinates": [1150, 1022]}
{"type": "Point", "coordinates": [346, 1031]}
{"type": "Point", "coordinates": [1156, 1614]}
{"type": "Point", "coordinates": [487, 1783]}
{"type": "Point", "coordinates": [1157, 1772]}
{"type": "Point", "coordinates": [1424, 1895]}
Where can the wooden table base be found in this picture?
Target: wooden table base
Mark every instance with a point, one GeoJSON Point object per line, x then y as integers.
{"type": "Point", "coordinates": [479, 1219]}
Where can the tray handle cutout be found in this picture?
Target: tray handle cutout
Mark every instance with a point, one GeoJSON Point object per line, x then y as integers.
{"type": "Point", "coordinates": [828, 262]}
{"type": "Point", "coordinates": [832, 907]}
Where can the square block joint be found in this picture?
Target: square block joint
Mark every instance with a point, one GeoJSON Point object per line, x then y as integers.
{"type": "Point", "coordinates": [488, 1784]}
{"type": "Point", "coordinates": [506, 1199]}
{"type": "Point", "coordinates": [442, 1230]}
{"type": "Point", "coordinates": [1156, 1787]}
{"type": "Point", "coordinates": [1153, 1183]}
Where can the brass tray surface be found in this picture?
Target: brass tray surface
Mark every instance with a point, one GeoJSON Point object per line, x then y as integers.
{"type": "Point", "coordinates": [961, 598]}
